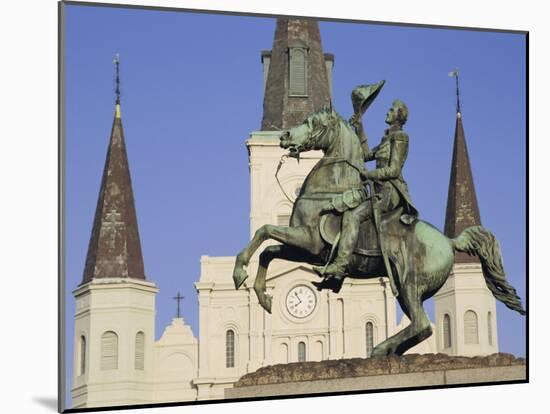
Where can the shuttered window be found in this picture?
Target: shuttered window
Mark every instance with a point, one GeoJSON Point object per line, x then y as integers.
{"type": "Point", "coordinates": [139, 362]}
{"type": "Point", "coordinates": [82, 355]}
{"type": "Point", "coordinates": [490, 327]}
{"type": "Point", "coordinates": [447, 339]}
{"type": "Point", "coordinates": [109, 351]}
{"type": "Point", "coordinates": [301, 352]}
{"type": "Point", "coordinates": [297, 74]}
{"type": "Point", "coordinates": [369, 330]}
{"type": "Point", "coordinates": [470, 328]}
{"type": "Point", "coordinates": [230, 349]}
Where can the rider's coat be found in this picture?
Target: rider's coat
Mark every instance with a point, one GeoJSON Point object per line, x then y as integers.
{"type": "Point", "coordinates": [390, 156]}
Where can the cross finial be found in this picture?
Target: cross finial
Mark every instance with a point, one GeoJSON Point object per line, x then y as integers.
{"type": "Point", "coordinates": [116, 61]}
{"type": "Point", "coordinates": [454, 74]}
{"type": "Point", "coordinates": [178, 298]}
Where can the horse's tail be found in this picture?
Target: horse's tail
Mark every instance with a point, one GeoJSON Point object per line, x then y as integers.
{"type": "Point", "coordinates": [482, 243]}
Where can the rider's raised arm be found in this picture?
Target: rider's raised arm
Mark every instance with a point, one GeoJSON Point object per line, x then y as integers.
{"type": "Point", "coordinates": [398, 155]}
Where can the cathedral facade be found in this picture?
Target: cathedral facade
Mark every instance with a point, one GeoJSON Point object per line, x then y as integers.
{"type": "Point", "coordinates": [117, 360]}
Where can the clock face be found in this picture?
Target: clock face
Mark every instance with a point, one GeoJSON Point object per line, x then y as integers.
{"type": "Point", "coordinates": [301, 301]}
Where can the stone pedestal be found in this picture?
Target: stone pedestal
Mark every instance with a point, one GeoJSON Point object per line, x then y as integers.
{"type": "Point", "coordinates": [378, 373]}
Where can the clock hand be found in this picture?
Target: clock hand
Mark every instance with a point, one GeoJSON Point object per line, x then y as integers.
{"type": "Point", "coordinates": [297, 297]}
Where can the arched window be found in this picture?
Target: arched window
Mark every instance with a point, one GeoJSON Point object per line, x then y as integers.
{"type": "Point", "coordinates": [298, 71]}
{"type": "Point", "coordinates": [109, 351]}
{"type": "Point", "coordinates": [490, 327]}
{"type": "Point", "coordinates": [301, 351]}
{"type": "Point", "coordinates": [230, 348]}
{"type": "Point", "coordinates": [317, 354]}
{"type": "Point", "coordinates": [284, 354]}
{"type": "Point", "coordinates": [82, 355]}
{"type": "Point", "coordinates": [447, 339]}
{"type": "Point", "coordinates": [139, 362]}
{"type": "Point", "coordinates": [470, 328]}
{"type": "Point", "coordinates": [369, 331]}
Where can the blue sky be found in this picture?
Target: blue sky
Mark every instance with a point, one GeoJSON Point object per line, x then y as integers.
{"type": "Point", "coordinates": [192, 93]}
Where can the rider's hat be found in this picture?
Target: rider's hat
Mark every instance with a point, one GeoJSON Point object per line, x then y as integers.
{"type": "Point", "coordinates": [363, 95]}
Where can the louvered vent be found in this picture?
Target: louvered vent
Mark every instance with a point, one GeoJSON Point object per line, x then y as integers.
{"type": "Point", "coordinates": [490, 328]}
{"type": "Point", "coordinates": [109, 351]}
{"type": "Point", "coordinates": [82, 355]}
{"type": "Point", "coordinates": [140, 351]}
{"type": "Point", "coordinates": [230, 349]}
{"type": "Point", "coordinates": [301, 352]}
{"type": "Point", "coordinates": [370, 338]}
{"type": "Point", "coordinates": [298, 72]}
{"type": "Point", "coordinates": [283, 219]}
{"type": "Point", "coordinates": [470, 328]}
{"type": "Point", "coordinates": [447, 340]}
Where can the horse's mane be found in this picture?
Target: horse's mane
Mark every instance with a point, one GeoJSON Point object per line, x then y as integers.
{"type": "Point", "coordinates": [327, 116]}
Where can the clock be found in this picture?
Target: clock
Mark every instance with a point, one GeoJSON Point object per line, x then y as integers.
{"type": "Point", "coordinates": [301, 301]}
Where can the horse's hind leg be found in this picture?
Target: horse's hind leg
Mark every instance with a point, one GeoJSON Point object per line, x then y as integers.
{"type": "Point", "coordinates": [419, 329]}
{"type": "Point", "coordinates": [302, 237]}
{"type": "Point", "coordinates": [284, 252]}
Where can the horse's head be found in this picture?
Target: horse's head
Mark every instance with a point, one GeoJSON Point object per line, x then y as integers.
{"type": "Point", "coordinates": [315, 133]}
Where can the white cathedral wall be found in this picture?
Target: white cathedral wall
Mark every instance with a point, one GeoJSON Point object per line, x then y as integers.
{"type": "Point", "coordinates": [335, 329]}
{"type": "Point", "coordinates": [464, 291]}
{"type": "Point", "coordinates": [176, 363]}
{"type": "Point", "coordinates": [126, 307]}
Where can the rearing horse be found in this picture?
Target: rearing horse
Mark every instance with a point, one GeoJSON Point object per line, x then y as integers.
{"type": "Point", "coordinates": [423, 259]}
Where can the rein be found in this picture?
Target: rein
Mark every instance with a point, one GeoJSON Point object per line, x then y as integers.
{"type": "Point", "coordinates": [328, 195]}
{"type": "Point", "coordinates": [315, 137]}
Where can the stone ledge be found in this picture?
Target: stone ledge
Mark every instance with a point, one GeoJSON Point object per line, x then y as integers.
{"type": "Point", "coordinates": [383, 382]}
{"type": "Point", "coordinates": [376, 366]}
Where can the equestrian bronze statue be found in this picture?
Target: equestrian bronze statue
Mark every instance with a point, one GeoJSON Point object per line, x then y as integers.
{"type": "Point", "coordinates": [350, 222]}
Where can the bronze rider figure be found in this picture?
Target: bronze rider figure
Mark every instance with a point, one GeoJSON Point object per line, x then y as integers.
{"type": "Point", "coordinates": [390, 187]}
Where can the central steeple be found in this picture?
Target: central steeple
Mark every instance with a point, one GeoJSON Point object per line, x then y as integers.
{"type": "Point", "coordinates": [295, 74]}
{"type": "Point", "coordinates": [115, 248]}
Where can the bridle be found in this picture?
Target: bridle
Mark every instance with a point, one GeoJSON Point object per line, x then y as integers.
{"type": "Point", "coordinates": [313, 138]}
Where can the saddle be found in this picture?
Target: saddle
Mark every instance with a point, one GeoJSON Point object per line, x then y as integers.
{"type": "Point", "coordinates": [368, 243]}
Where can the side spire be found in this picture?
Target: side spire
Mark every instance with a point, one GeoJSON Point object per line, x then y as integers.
{"type": "Point", "coordinates": [114, 250]}
{"type": "Point", "coordinates": [297, 74]}
{"type": "Point", "coordinates": [462, 208]}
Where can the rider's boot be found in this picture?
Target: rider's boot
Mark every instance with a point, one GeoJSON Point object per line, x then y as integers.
{"type": "Point", "coordinates": [337, 270]}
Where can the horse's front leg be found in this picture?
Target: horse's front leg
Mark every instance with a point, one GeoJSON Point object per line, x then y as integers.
{"type": "Point", "coordinates": [303, 237]}
{"type": "Point", "coordinates": [283, 252]}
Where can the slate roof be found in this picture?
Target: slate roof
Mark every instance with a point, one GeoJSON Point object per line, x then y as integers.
{"type": "Point", "coordinates": [462, 208]}
{"type": "Point", "coordinates": [115, 248]}
{"type": "Point", "coordinates": [282, 111]}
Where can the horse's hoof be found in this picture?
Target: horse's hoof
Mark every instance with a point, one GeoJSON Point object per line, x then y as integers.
{"type": "Point", "coordinates": [332, 283]}
{"type": "Point", "coordinates": [266, 302]}
{"type": "Point", "coordinates": [239, 276]}
{"type": "Point", "coordinates": [380, 352]}
{"type": "Point", "coordinates": [319, 270]}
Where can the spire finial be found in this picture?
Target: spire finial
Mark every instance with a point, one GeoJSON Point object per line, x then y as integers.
{"type": "Point", "coordinates": [116, 61]}
{"type": "Point", "coordinates": [454, 74]}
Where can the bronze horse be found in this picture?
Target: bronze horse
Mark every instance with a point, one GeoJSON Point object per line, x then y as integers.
{"type": "Point", "coordinates": [421, 256]}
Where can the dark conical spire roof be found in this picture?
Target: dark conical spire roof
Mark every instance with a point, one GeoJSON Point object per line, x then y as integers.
{"type": "Point", "coordinates": [462, 208]}
{"type": "Point", "coordinates": [287, 102]}
{"type": "Point", "coordinates": [115, 248]}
